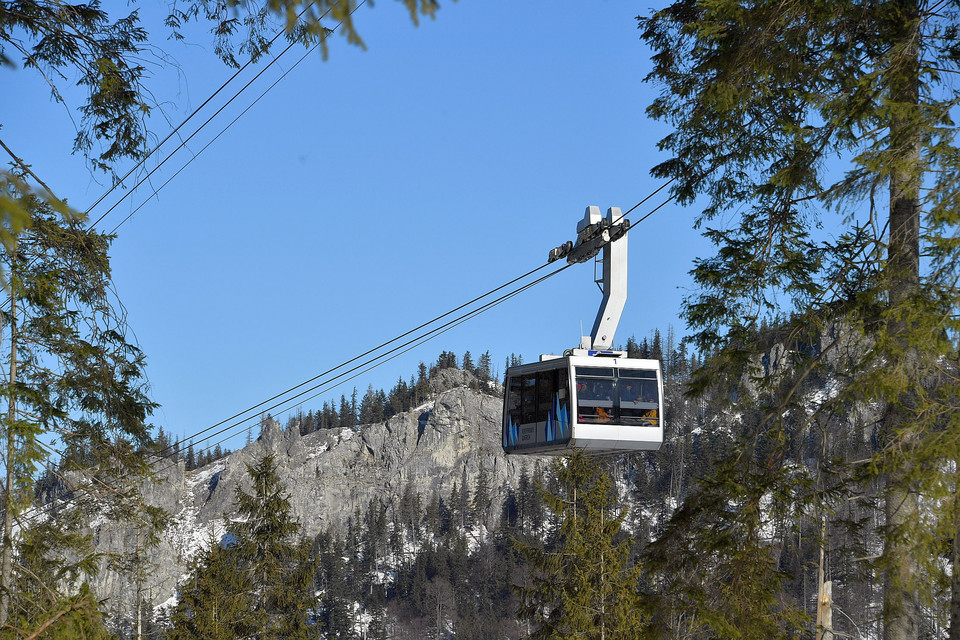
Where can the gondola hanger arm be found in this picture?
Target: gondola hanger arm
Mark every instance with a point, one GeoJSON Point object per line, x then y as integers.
{"type": "Point", "coordinates": [596, 233]}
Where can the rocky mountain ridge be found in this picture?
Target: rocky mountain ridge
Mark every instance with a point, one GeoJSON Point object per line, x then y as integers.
{"type": "Point", "coordinates": [329, 475]}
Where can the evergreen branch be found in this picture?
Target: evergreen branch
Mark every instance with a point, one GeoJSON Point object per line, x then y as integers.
{"type": "Point", "coordinates": [40, 582]}
{"type": "Point", "coordinates": [74, 606]}
{"type": "Point", "coordinates": [26, 169]}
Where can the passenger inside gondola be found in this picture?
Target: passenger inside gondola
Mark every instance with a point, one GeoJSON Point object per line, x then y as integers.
{"type": "Point", "coordinates": [595, 401]}
{"type": "Point", "coordinates": [638, 402]}
{"type": "Point", "coordinates": [630, 399]}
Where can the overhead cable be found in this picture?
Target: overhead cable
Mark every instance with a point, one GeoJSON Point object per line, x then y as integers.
{"type": "Point", "coordinates": [176, 129]}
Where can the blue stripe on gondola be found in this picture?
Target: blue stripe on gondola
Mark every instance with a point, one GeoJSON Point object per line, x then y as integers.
{"type": "Point", "coordinates": [563, 419]}
{"type": "Point", "coordinates": [558, 422]}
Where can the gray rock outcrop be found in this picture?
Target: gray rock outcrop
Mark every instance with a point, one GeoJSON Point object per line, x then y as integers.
{"type": "Point", "coordinates": [328, 474]}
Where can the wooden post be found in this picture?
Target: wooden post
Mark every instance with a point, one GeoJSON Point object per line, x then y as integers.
{"type": "Point", "coordinates": [825, 612]}
{"type": "Point", "coordinates": [824, 593]}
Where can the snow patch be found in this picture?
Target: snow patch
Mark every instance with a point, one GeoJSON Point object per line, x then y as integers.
{"type": "Point", "coordinates": [818, 398]}
{"type": "Point", "coordinates": [188, 536]}
{"type": "Point", "coordinates": [164, 608]}
{"type": "Point", "coordinates": [426, 406]}
{"type": "Point", "coordinates": [317, 451]}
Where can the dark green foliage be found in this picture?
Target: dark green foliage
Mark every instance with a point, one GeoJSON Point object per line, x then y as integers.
{"type": "Point", "coordinates": [422, 386]}
{"type": "Point", "coordinates": [43, 575]}
{"type": "Point", "coordinates": [725, 530]}
{"type": "Point", "coordinates": [347, 417]}
{"type": "Point", "coordinates": [372, 407]}
{"type": "Point", "coordinates": [483, 371]}
{"type": "Point", "coordinates": [481, 497]}
{"type": "Point", "coordinates": [71, 379]}
{"type": "Point", "coordinates": [460, 503]}
{"type": "Point", "coordinates": [409, 512]}
{"type": "Point", "coordinates": [583, 583]}
{"type": "Point", "coordinates": [282, 589]}
{"type": "Point", "coordinates": [212, 602]}
{"type": "Point", "coordinates": [74, 617]}
{"type": "Point", "coordinates": [531, 505]}
{"type": "Point", "coordinates": [103, 53]}
{"type": "Point", "coordinates": [329, 418]}
{"type": "Point", "coordinates": [333, 579]}
{"type": "Point", "coordinates": [261, 585]}
{"type": "Point", "coordinates": [399, 398]}
{"type": "Point", "coordinates": [446, 360]}
{"type": "Point", "coordinates": [59, 275]}
{"type": "Point", "coordinates": [842, 118]}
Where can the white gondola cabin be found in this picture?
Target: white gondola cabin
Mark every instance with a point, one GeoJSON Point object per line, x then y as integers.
{"type": "Point", "coordinates": [600, 404]}
{"type": "Point", "coordinates": [591, 398]}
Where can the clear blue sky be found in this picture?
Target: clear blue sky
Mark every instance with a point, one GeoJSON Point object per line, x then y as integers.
{"type": "Point", "coordinates": [373, 191]}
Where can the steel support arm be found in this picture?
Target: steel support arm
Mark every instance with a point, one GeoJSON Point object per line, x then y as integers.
{"type": "Point", "coordinates": [614, 285]}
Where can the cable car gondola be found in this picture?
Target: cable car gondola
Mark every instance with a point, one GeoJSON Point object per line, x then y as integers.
{"type": "Point", "coordinates": [601, 404]}
{"type": "Point", "coordinates": [592, 398]}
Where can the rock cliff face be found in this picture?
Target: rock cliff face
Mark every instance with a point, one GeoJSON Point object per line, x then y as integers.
{"type": "Point", "coordinates": [327, 473]}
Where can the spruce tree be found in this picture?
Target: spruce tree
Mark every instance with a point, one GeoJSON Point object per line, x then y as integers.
{"type": "Point", "coordinates": [410, 507]}
{"type": "Point", "coordinates": [583, 584]}
{"type": "Point", "coordinates": [369, 407]}
{"type": "Point", "coordinates": [535, 508]}
{"type": "Point", "coordinates": [524, 490]}
{"type": "Point", "coordinates": [212, 603]}
{"type": "Point", "coordinates": [266, 540]}
{"type": "Point", "coordinates": [481, 497]}
{"type": "Point", "coordinates": [422, 387]}
{"type": "Point", "coordinates": [797, 115]}
{"type": "Point", "coordinates": [354, 408]}
{"type": "Point", "coordinates": [715, 560]}
{"type": "Point", "coordinates": [460, 503]}
{"type": "Point", "coordinates": [431, 515]}
{"type": "Point", "coordinates": [259, 586]}
{"type": "Point", "coordinates": [656, 346]}
{"type": "Point", "coordinates": [455, 520]}
{"type": "Point", "coordinates": [335, 619]}
{"type": "Point", "coordinates": [73, 385]}
{"type": "Point", "coordinates": [347, 416]}
{"type": "Point", "coordinates": [483, 367]}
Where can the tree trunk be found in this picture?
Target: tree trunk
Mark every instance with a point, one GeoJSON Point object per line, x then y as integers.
{"type": "Point", "coordinates": [900, 607]}
{"type": "Point", "coordinates": [139, 587]}
{"type": "Point", "coordinates": [6, 563]}
{"type": "Point", "coordinates": [954, 632]}
{"type": "Point", "coordinates": [900, 611]}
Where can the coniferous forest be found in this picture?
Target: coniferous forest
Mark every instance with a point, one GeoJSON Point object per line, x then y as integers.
{"type": "Point", "coordinates": [677, 543]}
